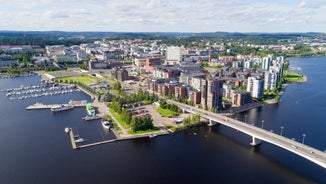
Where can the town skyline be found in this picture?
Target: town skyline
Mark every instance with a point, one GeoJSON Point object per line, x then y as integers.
{"type": "Point", "coordinates": [164, 16]}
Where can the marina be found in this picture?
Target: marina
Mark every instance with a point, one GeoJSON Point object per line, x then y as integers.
{"type": "Point", "coordinates": [17, 75]}
{"type": "Point", "coordinates": [35, 91]}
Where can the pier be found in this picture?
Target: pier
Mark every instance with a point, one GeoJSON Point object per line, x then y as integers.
{"type": "Point", "coordinates": [38, 106]}
{"type": "Point", "coordinates": [74, 146]}
{"type": "Point", "coordinates": [72, 139]}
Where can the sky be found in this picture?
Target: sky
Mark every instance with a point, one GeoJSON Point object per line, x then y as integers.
{"type": "Point", "coordinates": [164, 15]}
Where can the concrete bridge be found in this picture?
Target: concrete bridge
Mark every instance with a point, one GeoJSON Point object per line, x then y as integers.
{"type": "Point", "coordinates": [258, 134]}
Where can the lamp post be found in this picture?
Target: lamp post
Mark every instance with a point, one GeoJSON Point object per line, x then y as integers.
{"type": "Point", "coordinates": [246, 118]}
{"type": "Point", "coordinates": [303, 136]}
{"type": "Point", "coordinates": [282, 130]}
{"type": "Point", "coordinates": [262, 124]}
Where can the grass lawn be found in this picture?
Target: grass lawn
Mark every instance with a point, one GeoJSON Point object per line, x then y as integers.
{"type": "Point", "coordinates": [155, 129]}
{"type": "Point", "coordinates": [118, 118]}
{"type": "Point", "coordinates": [293, 77]}
{"type": "Point", "coordinates": [113, 91]}
{"type": "Point", "coordinates": [82, 79]}
{"type": "Point", "coordinates": [115, 126]}
{"type": "Point", "coordinates": [166, 112]}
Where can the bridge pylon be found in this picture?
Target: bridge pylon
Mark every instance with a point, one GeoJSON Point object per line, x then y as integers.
{"type": "Point", "coordinates": [212, 123]}
{"type": "Point", "coordinates": [255, 141]}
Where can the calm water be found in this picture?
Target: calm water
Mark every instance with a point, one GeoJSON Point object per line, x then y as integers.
{"type": "Point", "coordinates": [35, 149]}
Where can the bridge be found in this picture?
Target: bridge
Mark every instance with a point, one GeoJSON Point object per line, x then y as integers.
{"type": "Point", "coordinates": [258, 134]}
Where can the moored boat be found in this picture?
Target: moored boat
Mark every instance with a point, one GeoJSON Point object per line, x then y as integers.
{"type": "Point", "coordinates": [106, 124]}
{"type": "Point", "coordinates": [152, 135]}
{"type": "Point", "coordinates": [61, 108]}
{"type": "Point", "coordinates": [80, 140]}
{"type": "Point", "coordinates": [90, 109]}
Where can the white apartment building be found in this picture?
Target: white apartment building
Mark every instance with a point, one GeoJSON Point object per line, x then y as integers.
{"type": "Point", "coordinates": [256, 87]}
{"type": "Point", "coordinates": [173, 55]}
{"type": "Point", "coordinates": [266, 63]}
{"type": "Point", "coordinates": [227, 90]}
{"type": "Point", "coordinates": [271, 79]}
{"type": "Point", "coordinates": [248, 64]}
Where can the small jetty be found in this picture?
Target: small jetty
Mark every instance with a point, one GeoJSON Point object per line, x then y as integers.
{"type": "Point", "coordinates": [74, 146]}
{"type": "Point", "coordinates": [38, 106]}
{"type": "Point", "coordinates": [72, 139]}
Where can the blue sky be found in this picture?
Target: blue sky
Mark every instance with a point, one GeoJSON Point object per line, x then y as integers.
{"type": "Point", "coordinates": [164, 15]}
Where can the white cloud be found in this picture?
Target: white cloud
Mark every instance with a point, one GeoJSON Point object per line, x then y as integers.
{"type": "Point", "coordinates": [164, 15]}
{"type": "Point", "coordinates": [302, 4]}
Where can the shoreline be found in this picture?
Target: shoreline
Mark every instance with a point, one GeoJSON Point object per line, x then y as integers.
{"type": "Point", "coordinates": [284, 86]}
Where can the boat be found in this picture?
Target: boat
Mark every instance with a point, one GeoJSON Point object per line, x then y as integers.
{"type": "Point", "coordinates": [88, 118]}
{"type": "Point", "coordinates": [90, 109]}
{"type": "Point", "coordinates": [67, 129]}
{"type": "Point", "coordinates": [152, 135]}
{"type": "Point", "coordinates": [106, 124]}
{"type": "Point", "coordinates": [62, 107]}
{"type": "Point", "coordinates": [80, 140]}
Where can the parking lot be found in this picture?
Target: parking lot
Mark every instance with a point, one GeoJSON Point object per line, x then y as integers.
{"type": "Point", "coordinates": [158, 120]}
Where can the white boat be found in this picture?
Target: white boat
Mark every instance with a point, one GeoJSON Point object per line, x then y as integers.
{"type": "Point", "coordinates": [67, 130]}
{"type": "Point", "coordinates": [89, 118]}
{"type": "Point", "coordinates": [80, 140]}
{"type": "Point", "coordinates": [152, 135]}
{"type": "Point", "coordinates": [61, 108]}
{"type": "Point", "coordinates": [106, 124]}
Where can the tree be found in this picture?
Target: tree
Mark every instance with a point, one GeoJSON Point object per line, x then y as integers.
{"type": "Point", "coordinates": [117, 86]}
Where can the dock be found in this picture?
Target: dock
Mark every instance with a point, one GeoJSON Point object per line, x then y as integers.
{"type": "Point", "coordinates": [72, 139]}
{"type": "Point", "coordinates": [74, 146]}
{"type": "Point", "coordinates": [38, 106]}
{"type": "Point", "coordinates": [96, 143]}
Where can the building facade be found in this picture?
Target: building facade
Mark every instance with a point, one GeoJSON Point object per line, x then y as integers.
{"type": "Point", "coordinates": [255, 86]}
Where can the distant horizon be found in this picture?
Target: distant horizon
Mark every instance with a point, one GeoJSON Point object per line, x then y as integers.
{"type": "Point", "coordinates": [190, 16]}
{"type": "Point", "coordinates": [253, 32]}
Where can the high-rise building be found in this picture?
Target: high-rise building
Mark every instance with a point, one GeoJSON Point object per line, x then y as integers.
{"type": "Point", "coordinates": [248, 64]}
{"type": "Point", "coordinates": [173, 55]}
{"type": "Point", "coordinates": [255, 86]}
{"type": "Point", "coordinates": [266, 63]}
{"type": "Point", "coordinates": [271, 79]}
{"type": "Point", "coordinates": [227, 90]}
{"type": "Point", "coordinates": [239, 98]}
{"type": "Point", "coordinates": [214, 93]}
